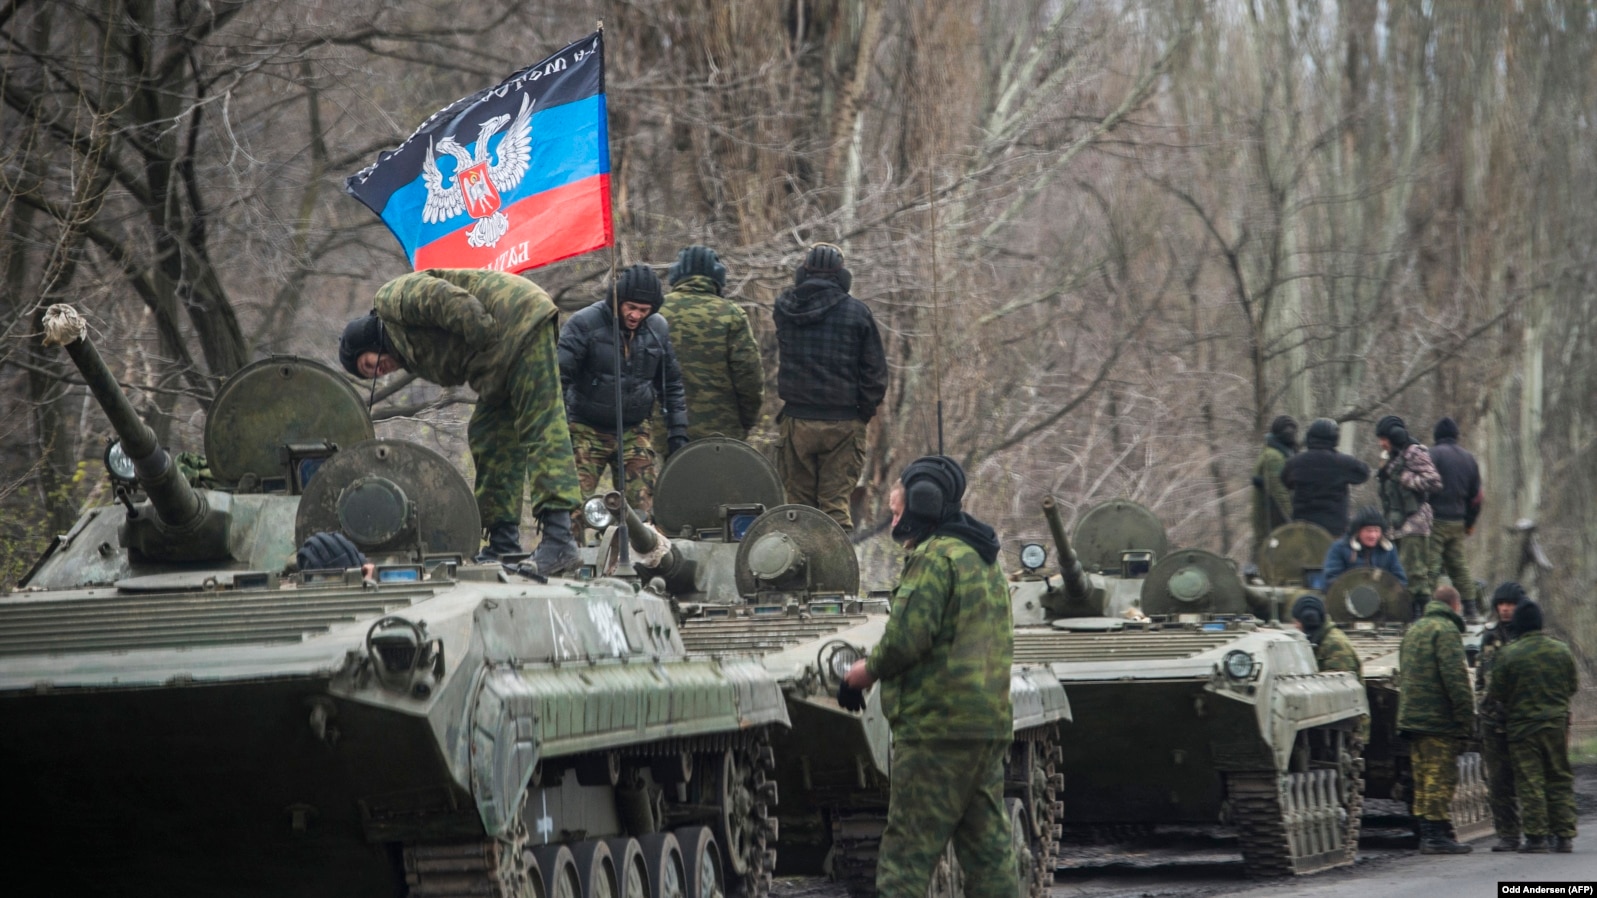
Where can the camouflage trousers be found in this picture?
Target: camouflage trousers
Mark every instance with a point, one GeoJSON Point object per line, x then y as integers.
{"type": "Point", "coordinates": [820, 463]}
{"type": "Point", "coordinates": [1447, 557]}
{"type": "Point", "coordinates": [520, 441]}
{"type": "Point", "coordinates": [1414, 552]}
{"type": "Point", "coordinates": [596, 455]}
{"type": "Point", "coordinates": [1499, 780]}
{"type": "Point", "coordinates": [1544, 783]}
{"type": "Point", "coordinates": [946, 789]}
{"type": "Point", "coordinates": [1434, 760]}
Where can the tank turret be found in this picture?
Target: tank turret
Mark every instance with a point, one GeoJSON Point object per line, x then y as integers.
{"type": "Point", "coordinates": [176, 523]}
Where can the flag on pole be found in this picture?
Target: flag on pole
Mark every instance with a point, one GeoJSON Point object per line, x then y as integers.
{"type": "Point", "coordinates": [510, 178]}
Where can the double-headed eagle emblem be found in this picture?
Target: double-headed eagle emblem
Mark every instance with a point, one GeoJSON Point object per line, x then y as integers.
{"type": "Point", "coordinates": [478, 182]}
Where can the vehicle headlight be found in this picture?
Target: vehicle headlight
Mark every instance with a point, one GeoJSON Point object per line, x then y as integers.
{"type": "Point", "coordinates": [596, 515]}
{"type": "Point", "coordinates": [1033, 556]}
{"type": "Point", "coordinates": [837, 657]}
{"type": "Point", "coordinates": [118, 464]}
{"type": "Point", "coordinates": [1238, 665]}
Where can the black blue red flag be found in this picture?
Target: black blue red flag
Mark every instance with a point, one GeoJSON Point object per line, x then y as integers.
{"type": "Point", "coordinates": [509, 178]}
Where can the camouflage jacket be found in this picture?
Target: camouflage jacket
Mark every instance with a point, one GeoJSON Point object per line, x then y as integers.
{"type": "Point", "coordinates": [720, 362]}
{"type": "Point", "coordinates": [1334, 651]}
{"type": "Point", "coordinates": [1534, 677]}
{"type": "Point", "coordinates": [944, 659]}
{"type": "Point", "coordinates": [1272, 501]}
{"type": "Point", "coordinates": [1434, 695]}
{"type": "Point", "coordinates": [1494, 639]}
{"type": "Point", "coordinates": [457, 325]}
{"type": "Point", "coordinates": [1407, 480]}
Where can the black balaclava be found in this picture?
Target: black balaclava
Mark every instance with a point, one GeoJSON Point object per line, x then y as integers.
{"type": "Point", "coordinates": [1285, 430]}
{"type": "Point", "coordinates": [364, 334]}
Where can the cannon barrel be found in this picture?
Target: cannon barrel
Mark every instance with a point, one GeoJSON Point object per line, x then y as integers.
{"type": "Point", "coordinates": [640, 535]}
{"type": "Point", "coordinates": [677, 567]}
{"type": "Point", "coordinates": [1078, 586]}
{"type": "Point", "coordinates": [175, 503]}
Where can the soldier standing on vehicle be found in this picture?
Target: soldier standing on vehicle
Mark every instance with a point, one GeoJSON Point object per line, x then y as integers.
{"type": "Point", "coordinates": [1534, 678]}
{"type": "Point", "coordinates": [1436, 713]}
{"type": "Point", "coordinates": [649, 374]}
{"type": "Point", "coordinates": [722, 375]}
{"type": "Point", "coordinates": [1456, 506]}
{"type": "Point", "coordinates": [832, 375]}
{"type": "Point", "coordinates": [1319, 478]}
{"type": "Point", "coordinates": [1272, 503]}
{"type": "Point", "coordinates": [1494, 718]}
{"type": "Point", "coordinates": [1407, 478]}
{"type": "Point", "coordinates": [1365, 545]}
{"type": "Point", "coordinates": [495, 331]}
{"type": "Point", "coordinates": [944, 664]}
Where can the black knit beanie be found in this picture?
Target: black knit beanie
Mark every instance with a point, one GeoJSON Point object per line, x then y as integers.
{"type": "Point", "coordinates": [364, 334]}
{"type": "Point", "coordinates": [700, 260]}
{"type": "Point", "coordinates": [328, 550]}
{"type": "Point", "coordinates": [1446, 429]}
{"type": "Point", "coordinates": [639, 284]}
{"type": "Point", "coordinates": [1527, 617]}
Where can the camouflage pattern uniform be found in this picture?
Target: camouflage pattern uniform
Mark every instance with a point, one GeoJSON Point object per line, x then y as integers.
{"type": "Point", "coordinates": [496, 332]}
{"type": "Point", "coordinates": [1494, 735]}
{"type": "Point", "coordinates": [1333, 651]}
{"type": "Point", "coordinates": [1435, 707]}
{"type": "Point", "coordinates": [1406, 480]}
{"type": "Point", "coordinates": [944, 666]}
{"type": "Point", "coordinates": [720, 362]}
{"type": "Point", "coordinates": [1534, 678]}
{"type": "Point", "coordinates": [595, 452]}
{"type": "Point", "coordinates": [1272, 501]}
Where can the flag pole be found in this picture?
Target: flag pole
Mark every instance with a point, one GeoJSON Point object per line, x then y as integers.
{"type": "Point", "coordinates": [937, 334]}
{"type": "Point", "coordinates": [620, 471]}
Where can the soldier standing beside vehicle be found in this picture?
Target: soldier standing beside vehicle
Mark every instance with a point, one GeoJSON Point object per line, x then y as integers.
{"type": "Point", "coordinates": [649, 374]}
{"type": "Point", "coordinates": [1319, 478]}
{"type": "Point", "coordinates": [722, 375]}
{"type": "Point", "coordinates": [831, 375]}
{"type": "Point", "coordinates": [1436, 713]}
{"type": "Point", "coordinates": [1272, 503]}
{"type": "Point", "coordinates": [944, 662]}
{"type": "Point", "coordinates": [1534, 678]}
{"type": "Point", "coordinates": [1494, 718]}
{"type": "Point", "coordinates": [1407, 478]}
{"type": "Point", "coordinates": [495, 331]}
{"type": "Point", "coordinates": [1456, 506]}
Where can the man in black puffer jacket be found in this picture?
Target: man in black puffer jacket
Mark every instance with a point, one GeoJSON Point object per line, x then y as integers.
{"type": "Point", "coordinates": [649, 373]}
{"type": "Point", "coordinates": [832, 377]}
{"type": "Point", "coordinates": [1320, 476]}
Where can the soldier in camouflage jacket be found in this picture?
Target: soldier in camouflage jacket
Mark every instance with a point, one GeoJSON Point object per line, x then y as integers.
{"type": "Point", "coordinates": [722, 374]}
{"type": "Point", "coordinates": [944, 664]}
{"type": "Point", "coordinates": [1406, 480]}
{"type": "Point", "coordinates": [1493, 717]}
{"type": "Point", "coordinates": [1436, 712]}
{"type": "Point", "coordinates": [1534, 677]}
{"type": "Point", "coordinates": [496, 332]}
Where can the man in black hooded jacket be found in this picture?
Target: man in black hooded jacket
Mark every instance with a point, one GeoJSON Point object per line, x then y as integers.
{"type": "Point", "coordinates": [1320, 476]}
{"type": "Point", "coordinates": [1456, 506]}
{"type": "Point", "coordinates": [831, 377]}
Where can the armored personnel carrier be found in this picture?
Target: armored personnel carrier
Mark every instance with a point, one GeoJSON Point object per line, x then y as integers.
{"type": "Point", "coordinates": [1202, 711]}
{"type": "Point", "coordinates": [782, 581]}
{"type": "Point", "coordinates": [1373, 608]}
{"type": "Point", "coordinates": [183, 717]}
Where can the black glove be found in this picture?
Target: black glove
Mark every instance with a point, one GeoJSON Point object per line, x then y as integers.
{"type": "Point", "coordinates": [850, 698]}
{"type": "Point", "coordinates": [1258, 482]}
{"type": "Point", "coordinates": [1382, 475]}
{"type": "Point", "coordinates": [672, 444]}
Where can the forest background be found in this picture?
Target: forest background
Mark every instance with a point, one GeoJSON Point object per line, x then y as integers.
{"type": "Point", "coordinates": [1114, 237]}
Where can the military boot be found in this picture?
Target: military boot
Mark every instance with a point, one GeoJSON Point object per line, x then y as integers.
{"type": "Point", "coordinates": [1534, 845]}
{"type": "Point", "coordinates": [1435, 840]}
{"type": "Point", "coordinates": [557, 553]}
{"type": "Point", "coordinates": [504, 538]}
{"type": "Point", "coordinates": [1564, 844]}
{"type": "Point", "coordinates": [1506, 843]}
